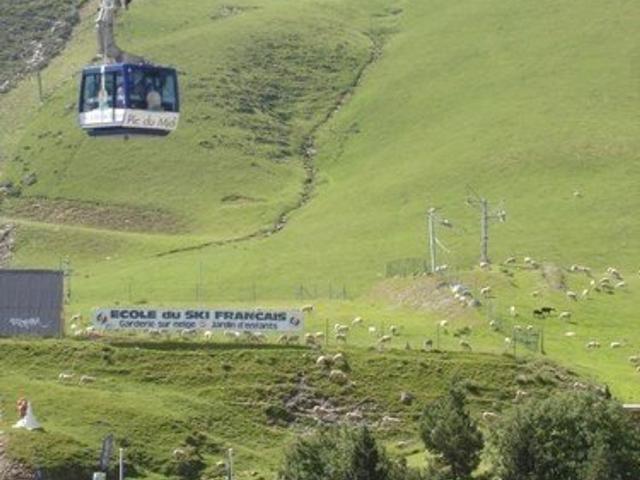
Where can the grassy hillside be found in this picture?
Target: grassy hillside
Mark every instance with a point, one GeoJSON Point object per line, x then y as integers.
{"type": "Point", "coordinates": [157, 397]}
{"type": "Point", "coordinates": [410, 104]}
{"type": "Point", "coordinates": [31, 32]}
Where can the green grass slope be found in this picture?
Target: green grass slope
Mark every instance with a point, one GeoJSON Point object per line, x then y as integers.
{"type": "Point", "coordinates": [527, 103]}
{"type": "Point", "coordinates": [156, 397]}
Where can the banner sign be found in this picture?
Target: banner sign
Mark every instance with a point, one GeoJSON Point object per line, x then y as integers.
{"type": "Point", "coordinates": [31, 302]}
{"type": "Point", "coordinates": [198, 319]}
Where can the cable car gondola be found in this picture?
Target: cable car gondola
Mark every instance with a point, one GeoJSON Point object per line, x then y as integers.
{"type": "Point", "coordinates": [124, 94]}
{"type": "Point", "coordinates": [124, 98]}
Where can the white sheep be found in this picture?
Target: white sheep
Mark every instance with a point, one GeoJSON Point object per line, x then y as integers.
{"type": "Point", "coordinates": [585, 293]}
{"type": "Point", "coordinates": [570, 334]}
{"type": "Point", "coordinates": [443, 323]}
{"type": "Point", "coordinates": [572, 295]}
{"type": "Point", "coordinates": [528, 260]}
{"type": "Point", "coordinates": [564, 316]}
{"type": "Point", "coordinates": [338, 376]}
{"type": "Point", "coordinates": [634, 358]}
{"type": "Point", "coordinates": [490, 417]}
{"type": "Point", "coordinates": [341, 337]}
{"type": "Point", "coordinates": [385, 339]}
{"type": "Point", "coordinates": [356, 321]}
{"type": "Point", "coordinates": [84, 379]}
{"type": "Point", "coordinates": [306, 308]}
{"type": "Point", "coordinates": [208, 335]}
{"type": "Point", "coordinates": [615, 345]}
{"type": "Point", "coordinates": [341, 329]}
{"type": "Point", "coordinates": [393, 330]}
{"type": "Point", "coordinates": [485, 291]}
{"type": "Point", "coordinates": [507, 341]}
{"type": "Point", "coordinates": [520, 395]}
{"type": "Point", "coordinates": [513, 311]}
{"type": "Point", "coordinates": [510, 260]}
{"type": "Point", "coordinates": [373, 330]}
{"type": "Point", "coordinates": [464, 345]}
{"type": "Point", "coordinates": [535, 293]}
{"type": "Point", "coordinates": [64, 377]}
{"type": "Point", "coordinates": [319, 336]}
{"type": "Point", "coordinates": [621, 284]}
{"type": "Point", "coordinates": [493, 324]}
{"type": "Point", "coordinates": [614, 273]}
{"type": "Point", "coordinates": [324, 361]}
{"type": "Point", "coordinates": [593, 344]}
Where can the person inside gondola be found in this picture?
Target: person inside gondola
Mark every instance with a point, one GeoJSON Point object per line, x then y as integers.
{"type": "Point", "coordinates": [154, 99]}
{"type": "Point", "coordinates": [120, 96]}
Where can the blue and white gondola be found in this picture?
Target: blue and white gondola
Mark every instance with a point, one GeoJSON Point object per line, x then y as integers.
{"type": "Point", "coordinates": [129, 99]}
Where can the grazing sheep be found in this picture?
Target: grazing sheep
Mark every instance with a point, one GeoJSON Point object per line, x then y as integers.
{"type": "Point", "coordinates": [385, 339]}
{"type": "Point", "coordinates": [441, 268]}
{"type": "Point", "coordinates": [510, 261]}
{"type": "Point", "coordinates": [535, 293]}
{"type": "Point", "coordinates": [614, 273]}
{"type": "Point", "coordinates": [65, 377]}
{"type": "Point", "coordinates": [373, 330]}
{"type": "Point", "coordinates": [513, 311]}
{"type": "Point", "coordinates": [343, 329]}
{"type": "Point", "coordinates": [572, 295]}
{"type": "Point", "coordinates": [393, 330]}
{"type": "Point", "coordinates": [484, 264]}
{"type": "Point", "coordinates": [341, 337]}
{"type": "Point", "coordinates": [324, 361]}
{"type": "Point", "coordinates": [585, 293]}
{"type": "Point", "coordinates": [529, 328]}
{"type": "Point", "coordinates": [593, 344]}
{"type": "Point", "coordinates": [493, 324]}
{"type": "Point", "coordinates": [528, 259]}
{"type": "Point", "coordinates": [356, 321]}
{"type": "Point", "coordinates": [84, 379]}
{"type": "Point", "coordinates": [507, 341]}
{"type": "Point", "coordinates": [634, 358]}
{"type": "Point", "coordinates": [208, 335]}
{"type": "Point", "coordinates": [338, 376]}
{"type": "Point", "coordinates": [443, 323]}
{"type": "Point", "coordinates": [485, 291]}
{"type": "Point", "coordinates": [570, 334]}
{"type": "Point", "coordinates": [466, 346]}
{"type": "Point", "coordinates": [615, 345]}
{"type": "Point", "coordinates": [490, 417]}
{"type": "Point", "coordinates": [339, 359]}
{"type": "Point", "coordinates": [306, 308]}
{"type": "Point", "coordinates": [319, 336]}
{"type": "Point", "coordinates": [621, 284]}
{"type": "Point", "coordinates": [564, 316]}
{"type": "Point", "coordinates": [354, 416]}
{"type": "Point", "coordinates": [231, 334]}
{"type": "Point", "coordinates": [179, 452]}
{"type": "Point", "coordinates": [520, 395]}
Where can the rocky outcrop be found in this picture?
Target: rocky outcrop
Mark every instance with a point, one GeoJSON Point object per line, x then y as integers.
{"type": "Point", "coordinates": [10, 470]}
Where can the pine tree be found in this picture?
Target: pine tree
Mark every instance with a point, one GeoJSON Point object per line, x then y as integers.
{"type": "Point", "coordinates": [448, 430]}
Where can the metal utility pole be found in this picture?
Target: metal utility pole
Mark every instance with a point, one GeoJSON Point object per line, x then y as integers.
{"type": "Point", "coordinates": [432, 238]}
{"type": "Point", "coordinates": [434, 243]}
{"type": "Point", "coordinates": [121, 465]}
{"type": "Point", "coordinates": [485, 218]}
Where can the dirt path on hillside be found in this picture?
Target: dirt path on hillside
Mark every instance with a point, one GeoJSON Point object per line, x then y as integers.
{"type": "Point", "coordinates": [308, 152]}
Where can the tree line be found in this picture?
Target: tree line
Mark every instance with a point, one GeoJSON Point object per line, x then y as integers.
{"type": "Point", "coordinates": [574, 435]}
